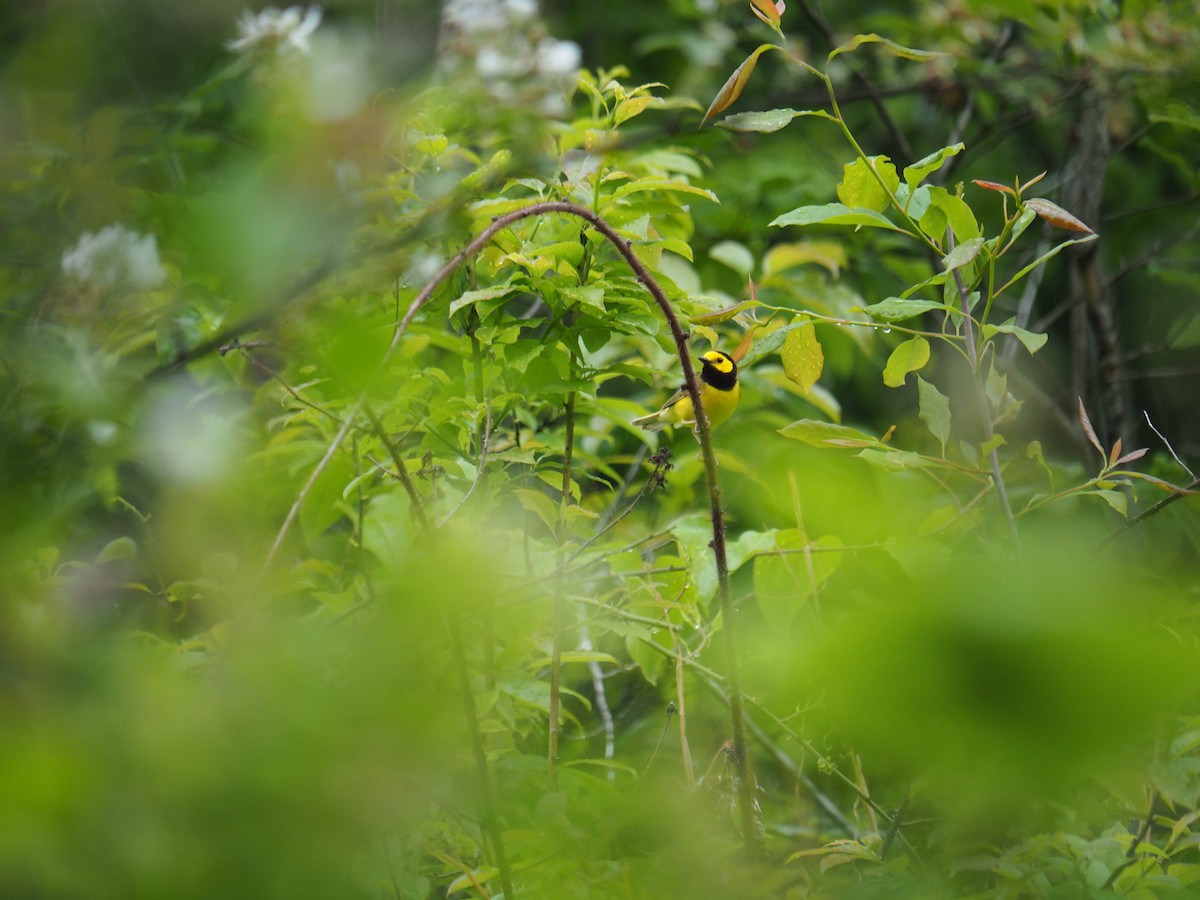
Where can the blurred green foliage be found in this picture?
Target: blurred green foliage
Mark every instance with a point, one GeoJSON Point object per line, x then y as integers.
{"type": "Point", "coordinates": [284, 583]}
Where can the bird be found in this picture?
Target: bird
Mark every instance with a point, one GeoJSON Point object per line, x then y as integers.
{"type": "Point", "coordinates": [719, 393]}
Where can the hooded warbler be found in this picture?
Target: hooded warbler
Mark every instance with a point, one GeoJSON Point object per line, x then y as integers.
{"type": "Point", "coordinates": [719, 392]}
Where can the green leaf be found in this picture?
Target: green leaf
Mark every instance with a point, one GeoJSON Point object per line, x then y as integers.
{"type": "Point", "coordinates": [769, 343]}
{"type": "Point", "coordinates": [935, 411]}
{"type": "Point", "coordinates": [1179, 115]}
{"type": "Point", "coordinates": [123, 548]}
{"type": "Point", "coordinates": [893, 460]}
{"type": "Point", "coordinates": [322, 506]}
{"type": "Point", "coordinates": [662, 184]}
{"type": "Point", "coordinates": [802, 356]}
{"type": "Point", "coordinates": [723, 315]}
{"type": "Point", "coordinates": [464, 882]}
{"type": "Point", "coordinates": [747, 546]}
{"type": "Point", "coordinates": [633, 106]}
{"type": "Point", "coordinates": [957, 215]}
{"type": "Point", "coordinates": [589, 295]}
{"type": "Point", "coordinates": [1115, 499]}
{"type": "Point", "coordinates": [732, 88]}
{"type": "Point", "coordinates": [693, 535]}
{"type": "Point", "coordinates": [892, 47]}
{"type": "Point", "coordinates": [489, 293]}
{"type": "Point", "coordinates": [916, 173]}
{"type": "Point", "coordinates": [1050, 254]}
{"type": "Point", "coordinates": [575, 656]}
{"type": "Point", "coordinates": [962, 254]}
{"type": "Point", "coordinates": [783, 582]}
{"type": "Point", "coordinates": [1033, 341]}
{"type": "Point", "coordinates": [737, 256]}
{"type": "Point", "coordinates": [540, 505]}
{"type": "Point", "coordinates": [836, 214]}
{"type": "Point", "coordinates": [830, 255]}
{"type": "Point", "coordinates": [894, 309]}
{"type": "Point", "coordinates": [860, 186]}
{"type": "Point", "coordinates": [910, 356]}
{"type": "Point", "coordinates": [828, 434]}
{"type": "Point", "coordinates": [768, 121]}
{"type": "Point", "coordinates": [995, 442]}
{"type": "Point", "coordinates": [641, 650]}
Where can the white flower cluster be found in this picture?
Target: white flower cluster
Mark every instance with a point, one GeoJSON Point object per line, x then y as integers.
{"type": "Point", "coordinates": [277, 29]}
{"type": "Point", "coordinates": [115, 257]}
{"type": "Point", "coordinates": [517, 63]}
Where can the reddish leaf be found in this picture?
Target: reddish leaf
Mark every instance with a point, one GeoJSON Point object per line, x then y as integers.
{"type": "Point", "coordinates": [1131, 456]}
{"type": "Point", "coordinates": [1056, 215]}
{"type": "Point", "coordinates": [767, 11]}
{"type": "Point", "coordinates": [746, 342]}
{"type": "Point", "coordinates": [732, 88]}
{"type": "Point", "coordinates": [993, 186]}
{"type": "Point", "coordinates": [1088, 429]}
{"type": "Point", "coordinates": [1031, 182]}
{"type": "Point", "coordinates": [1114, 453]}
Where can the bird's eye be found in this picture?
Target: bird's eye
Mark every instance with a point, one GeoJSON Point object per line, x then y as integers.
{"type": "Point", "coordinates": [719, 361]}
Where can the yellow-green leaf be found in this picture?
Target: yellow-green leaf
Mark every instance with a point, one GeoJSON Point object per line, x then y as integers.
{"type": "Point", "coordinates": [768, 121]}
{"type": "Point", "coordinates": [802, 356]}
{"type": "Point", "coordinates": [892, 47]}
{"type": "Point", "coordinates": [860, 185]}
{"type": "Point", "coordinates": [836, 214]}
{"type": "Point", "coordinates": [915, 174]}
{"type": "Point", "coordinates": [910, 356]}
{"type": "Point", "coordinates": [934, 411]}
{"type": "Point", "coordinates": [722, 315]}
{"type": "Point", "coordinates": [781, 257]}
{"type": "Point", "coordinates": [828, 434]}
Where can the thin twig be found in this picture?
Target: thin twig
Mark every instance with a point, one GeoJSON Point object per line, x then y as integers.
{"type": "Point", "coordinates": [305, 490]}
{"type": "Point", "coordinates": [401, 470]}
{"type": "Point", "coordinates": [985, 412]}
{"type": "Point", "coordinates": [483, 453]}
{"type": "Point", "coordinates": [656, 478]}
{"type": "Point", "coordinates": [1167, 444]}
{"type": "Point", "coordinates": [894, 828]}
{"type": "Point", "coordinates": [822, 25]}
{"type": "Point", "coordinates": [1188, 491]}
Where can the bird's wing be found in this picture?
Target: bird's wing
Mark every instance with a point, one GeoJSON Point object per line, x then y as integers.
{"type": "Point", "coordinates": [675, 398]}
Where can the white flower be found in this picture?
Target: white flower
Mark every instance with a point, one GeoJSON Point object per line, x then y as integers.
{"type": "Point", "coordinates": [520, 10]}
{"type": "Point", "coordinates": [115, 256]}
{"type": "Point", "coordinates": [555, 57]}
{"type": "Point", "coordinates": [487, 16]}
{"type": "Point", "coordinates": [494, 62]}
{"type": "Point", "coordinates": [276, 28]}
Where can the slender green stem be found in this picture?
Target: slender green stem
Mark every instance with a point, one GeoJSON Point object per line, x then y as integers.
{"type": "Point", "coordinates": [916, 231]}
{"type": "Point", "coordinates": [559, 623]}
{"type": "Point", "coordinates": [981, 401]}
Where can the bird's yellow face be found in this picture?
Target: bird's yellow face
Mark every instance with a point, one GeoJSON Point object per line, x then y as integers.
{"type": "Point", "coordinates": [718, 370]}
{"type": "Point", "coordinates": [720, 361]}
